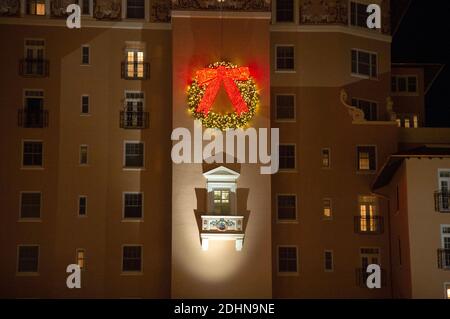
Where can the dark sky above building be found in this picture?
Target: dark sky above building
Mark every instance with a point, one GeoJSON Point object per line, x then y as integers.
{"type": "Point", "coordinates": [424, 37]}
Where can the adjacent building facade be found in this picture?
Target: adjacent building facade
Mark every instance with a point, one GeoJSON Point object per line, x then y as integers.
{"type": "Point", "coordinates": [87, 117]}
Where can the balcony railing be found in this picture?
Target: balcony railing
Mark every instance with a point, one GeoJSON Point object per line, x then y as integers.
{"type": "Point", "coordinates": [442, 202]}
{"type": "Point", "coordinates": [444, 259]}
{"type": "Point", "coordinates": [134, 120]}
{"type": "Point", "coordinates": [34, 67]}
{"type": "Point", "coordinates": [362, 275]}
{"type": "Point", "coordinates": [135, 70]}
{"type": "Point", "coordinates": [32, 119]}
{"type": "Point", "coordinates": [369, 225]}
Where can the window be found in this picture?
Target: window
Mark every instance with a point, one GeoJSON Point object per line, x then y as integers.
{"type": "Point", "coordinates": [85, 6]}
{"type": "Point", "coordinates": [35, 64]}
{"type": "Point", "coordinates": [132, 206]}
{"type": "Point", "coordinates": [358, 14]}
{"type": "Point", "coordinates": [85, 104]}
{"type": "Point", "coordinates": [132, 259]}
{"type": "Point", "coordinates": [285, 58]}
{"type": "Point", "coordinates": [133, 114]}
{"type": "Point", "coordinates": [328, 261]}
{"type": "Point", "coordinates": [370, 109]}
{"type": "Point", "coordinates": [135, 9]}
{"type": "Point", "coordinates": [369, 256]}
{"type": "Point", "coordinates": [367, 158]}
{"type": "Point", "coordinates": [36, 7]}
{"type": "Point", "coordinates": [81, 258]}
{"type": "Point", "coordinates": [285, 107]}
{"type": "Point", "coordinates": [287, 157]}
{"type": "Point", "coordinates": [33, 114]}
{"type": "Point", "coordinates": [285, 10]}
{"type": "Point", "coordinates": [445, 241]}
{"type": "Point", "coordinates": [83, 154]}
{"type": "Point", "coordinates": [30, 205]}
{"type": "Point", "coordinates": [134, 67]}
{"type": "Point", "coordinates": [85, 54]}
{"type": "Point", "coordinates": [134, 154]}
{"type": "Point", "coordinates": [368, 213]}
{"type": "Point", "coordinates": [32, 153]}
{"type": "Point", "coordinates": [28, 257]}
{"type": "Point", "coordinates": [404, 84]}
{"type": "Point", "coordinates": [364, 64]}
{"type": "Point", "coordinates": [287, 259]}
{"type": "Point", "coordinates": [326, 158]}
{"type": "Point", "coordinates": [82, 205]}
{"type": "Point", "coordinates": [327, 209]}
{"type": "Point", "coordinates": [287, 207]}
{"type": "Point", "coordinates": [222, 201]}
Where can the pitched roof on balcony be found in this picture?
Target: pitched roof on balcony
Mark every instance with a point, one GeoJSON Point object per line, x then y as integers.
{"type": "Point", "coordinates": [394, 162]}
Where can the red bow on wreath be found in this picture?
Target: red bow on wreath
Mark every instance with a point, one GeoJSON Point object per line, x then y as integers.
{"type": "Point", "coordinates": [213, 78]}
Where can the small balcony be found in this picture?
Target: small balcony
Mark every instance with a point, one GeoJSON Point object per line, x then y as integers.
{"type": "Point", "coordinates": [135, 70]}
{"type": "Point", "coordinates": [369, 225]}
{"type": "Point", "coordinates": [134, 120]}
{"type": "Point", "coordinates": [34, 68]}
{"type": "Point", "coordinates": [32, 119]}
{"type": "Point", "coordinates": [361, 276]}
{"type": "Point", "coordinates": [442, 202]}
{"type": "Point", "coordinates": [222, 228]}
{"type": "Point", "coordinates": [444, 259]}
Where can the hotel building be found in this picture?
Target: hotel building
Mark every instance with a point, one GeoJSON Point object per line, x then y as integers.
{"type": "Point", "coordinates": [87, 176]}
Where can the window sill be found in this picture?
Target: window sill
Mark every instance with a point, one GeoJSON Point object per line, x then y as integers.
{"type": "Point", "coordinates": [285, 71]}
{"type": "Point", "coordinates": [132, 273]}
{"type": "Point", "coordinates": [287, 274]}
{"type": "Point", "coordinates": [361, 172]}
{"type": "Point", "coordinates": [32, 168]}
{"type": "Point", "coordinates": [286, 121]}
{"type": "Point", "coordinates": [27, 274]}
{"type": "Point", "coordinates": [85, 114]}
{"type": "Point", "coordinates": [29, 220]}
{"type": "Point", "coordinates": [287, 222]}
{"type": "Point", "coordinates": [132, 220]}
{"type": "Point", "coordinates": [327, 219]}
{"type": "Point", "coordinates": [365, 77]}
{"type": "Point", "coordinates": [288, 171]}
{"type": "Point", "coordinates": [137, 169]}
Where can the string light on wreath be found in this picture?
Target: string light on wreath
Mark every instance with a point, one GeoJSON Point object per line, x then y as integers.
{"type": "Point", "coordinates": [240, 88]}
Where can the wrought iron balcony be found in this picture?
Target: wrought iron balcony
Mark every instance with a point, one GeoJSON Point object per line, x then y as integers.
{"type": "Point", "coordinates": [135, 70]}
{"type": "Point", "coordinates": [222, 228]}
{"type": "Point", "coordinates": [444, 259]}
{"type": "Point", "coordinates": [361, 275]}
{"type": "Point", "coordinates": [32, 119]}
{"type": "Point", "coordinates": [34, 67]}
{"type": "Point", "coordinates": [369, 225]}
{"type": "Point", "coordinates": [134, 120]}
{"type": "Point", "coordinates": [442, 202]}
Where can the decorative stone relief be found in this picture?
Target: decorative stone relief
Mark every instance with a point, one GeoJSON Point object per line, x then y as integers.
{"type": "Point", "coordinates": [9, 8]}
{"type": "Point", "coordinates": [229, 5]}
{"type": "Point", "coordinates": [160, 11]}
{"type": "Point", "coordinates": [107, 9]}
{"type": "Point", "coordinates": [58, 7]}
{"type": "Point", "coordinates": [323, 11]}
{"type": "Point", "coordinates": [356, 114]}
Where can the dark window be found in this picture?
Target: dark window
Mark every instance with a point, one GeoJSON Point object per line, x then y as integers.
{"type": "Point", "coordinates": [326, 158]}
{"type": "Point", "coordinates": [28, 259]}
{"type": "Point", "coordinates": [402, 84]}
{"type": "Point", "coordinates": [285, 107]}
{"type": "Point", "coordinates": [32, 154]}
{"type": "Point", "coordinates": [367, 158]}
{"type": "Point", "coordinates": [132, 205]}
{"type": "Point", "coordinates": [370, 109]}
{"type": "Point", "coordinates": [285, 10]}
{"type": "Point", "coordinates": [286, 207]}
{"type": "Point", "coordinates": [285, 58]}
{"type": "Point", "coordinates": [135, 9]}
{"type": "Point", "coordinates": [287, 259]}
{"type": "Point", "coordinates": [85, 55]}
{"type": "Point", "coordinates": [82, 205]}
{"type": "Point", "coordinates": [287, 156]}
{"type": "Point", "coordinates": [328, 261]}
{"type": "Point", "coordinates": [364, 63]}
{"type": "Point", "coordinates": [83, 155]}
{"type": "Point", "coordinates": [132, 258]}
{"type": "Point", "coordinates": [30, 205]}
{"type": "Point", "coordinates": [134, 154]}
{"type": "Point", "coordinates": [358, 14]}
{"type": "Point", "coordinates": [412, 84]}
{"type": "Point", "coordinates": [86, 7]}
{"type": "Point", "coordinates": [85, 104]}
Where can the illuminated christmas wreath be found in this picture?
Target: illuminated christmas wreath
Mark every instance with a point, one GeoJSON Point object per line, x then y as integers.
{"type": "Point", "coordinates": [240, 88]}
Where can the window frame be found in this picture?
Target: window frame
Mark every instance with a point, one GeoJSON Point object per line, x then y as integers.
{"type": "Point", "coordinates": [132, 272]}
{"type": "Point", "coordinates": [292, 120]}
{"type": "Point", "coordinates": [360, 75]}
{"type": "Point", "coordinates": [88, 55]}
{"type": "Point", "coordinates": [328, 149]}
{"type": "Point", "coordinates": [31, 167]}
{"type": "Point", "coordinates": [132, 219]}
{"type": "Point", "coordinates": [84, 258]}
{"type": "Point", "coordinates": [35, 2]}
{"type": "Point", "coordinates": [407, 92]}
{"type": "Point", "coordinates": [324, 217]}
{"type": "Point", "coordinates": [79, 206]}
{"type": "Point", "coordinates": [325, 260]}
{"type": "Point", "coordinates": [91, 8]}
{"type": "Point", "coordinates": [447, 290]}
{"type": "Point", "coordinates": [288, 170]}
{"type": "Point", "coordinates": [286, 221]}
{"type": "Point", "coordinates": [364, 171]}
{"type": "Point", "coordinates": [294, 10]}
{"type": "Point", "coordinates": [88, 105]}
{"type": "Point", "coordinates": [286, 273]}
{"type": "Point", "coordinates": [30, 219]}
{"type": "Point", "coordinates": [277, 70]}
{"type": "Point", "coordinates": [130, 168]}
{"type": "Point", "coordinates": [377, 108]}
{"type": "Point", "coordinates": [125, 9]}
{"type": "Point", "coordinates": [80, 162]}
{"type": "Point", "coordinates": [28, 273]}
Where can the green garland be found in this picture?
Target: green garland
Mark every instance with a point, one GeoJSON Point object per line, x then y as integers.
{"type": "Point", "coordinates": [229, 120]}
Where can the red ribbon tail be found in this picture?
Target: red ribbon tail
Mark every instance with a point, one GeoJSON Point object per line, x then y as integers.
{"type": "Point", "coordinates": [235, 96]}
{"type": "Point", "coordinates": [210, 95]}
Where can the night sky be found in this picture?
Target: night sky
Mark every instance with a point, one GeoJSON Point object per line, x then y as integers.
{"type": "Point", "coordinates": [424, 37]}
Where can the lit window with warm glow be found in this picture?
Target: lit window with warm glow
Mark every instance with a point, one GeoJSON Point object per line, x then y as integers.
{"type": "Point", "coordinates": [416, 121]}
{"type": "Point", "coordinates": [448, 291]}
{"type": "Point", "coordinates": [407, 123]}
{"type": "Point", "coordinates": [327, 210]}
{"type": "Point", "coordinates": [36, 7]}
{"type": "Point", "coordinates": [81, 258]}
{"type": "Point", "coordinates": [135, 64]}
{"type": "Point", "coordinates": [366, 158]}
{"type": "Point", "coordinates": [367, 212]}
{"type": "Point", "coordinates": [222, 202]}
